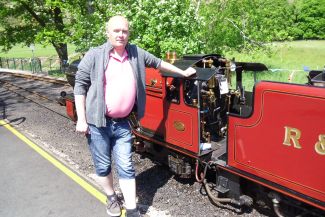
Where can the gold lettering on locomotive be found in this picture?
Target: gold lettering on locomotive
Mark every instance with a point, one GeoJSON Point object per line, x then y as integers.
{"type": "Point", "coordinates": [292, 134]}
{"type": "Point", "coordinates": [320, 145]}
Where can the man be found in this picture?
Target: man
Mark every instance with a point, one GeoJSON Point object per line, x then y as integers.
{"type": "Point", "coordinates": [112, 76]}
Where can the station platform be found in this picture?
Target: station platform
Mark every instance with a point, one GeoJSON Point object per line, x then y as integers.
{"type": "Point", "coordinates": [34, 183]}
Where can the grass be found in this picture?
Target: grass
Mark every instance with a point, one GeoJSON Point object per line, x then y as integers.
{"type": "Point", "coordinates": [50, 63]}
{"type": "Point", "coordinates": [293, 55]}
{"type": "Point", "coordinates": [286, 55]}
{"type": "Point", "coordinates": [288, 61]}
{"type": "Point", "coordinates": [21, 51]}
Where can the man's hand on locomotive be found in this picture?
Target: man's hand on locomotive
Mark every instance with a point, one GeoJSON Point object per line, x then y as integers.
{"type": "Point", "coordinates": [165, 66]}
{"type": "Point", "coordinates": [189, 71]}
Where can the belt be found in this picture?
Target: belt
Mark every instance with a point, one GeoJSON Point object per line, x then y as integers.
{"type": "Point", "coordinates": [117, 119]}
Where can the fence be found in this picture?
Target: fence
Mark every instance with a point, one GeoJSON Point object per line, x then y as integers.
{"type": "Point", "coordinates": [35, 65]}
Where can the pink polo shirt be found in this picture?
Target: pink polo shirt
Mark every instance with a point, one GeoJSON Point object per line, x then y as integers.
{"type": "Point", "coordinates": [119, 86]}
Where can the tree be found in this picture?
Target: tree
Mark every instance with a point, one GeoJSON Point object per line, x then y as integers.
{"type": "Point", "coordinates": [157, 26]}
{"type": "Point", "coordinates": [232, 24]}
{"type": "Point", "coordinates": [309, 19]}
{"type": "Point", "coordinates": [163, 26]}
{"type": "Point", "coordinates": [27, 22]}
{"type": "Point", "coordinates": [184, 26]}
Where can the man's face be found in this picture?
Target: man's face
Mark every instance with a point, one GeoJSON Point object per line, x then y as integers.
{"type": "Point", "coordinates": [118, 32]}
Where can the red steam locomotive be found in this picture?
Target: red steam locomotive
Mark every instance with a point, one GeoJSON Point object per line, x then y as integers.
{"type": "Point", "coordinates": [266, 145]}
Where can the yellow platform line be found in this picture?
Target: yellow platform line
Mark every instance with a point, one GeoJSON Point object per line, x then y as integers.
{"type": "Point", "coordinates": [92, 190]}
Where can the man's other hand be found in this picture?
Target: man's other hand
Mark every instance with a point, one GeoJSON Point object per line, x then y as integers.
{"type": "Point", "coordinates": [82, 127]}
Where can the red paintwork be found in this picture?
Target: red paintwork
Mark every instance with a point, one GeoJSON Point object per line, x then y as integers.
{"type": "Point", "coordinates": [167, 145]}
{"type": "Point", "coordinates": [70, 108]}
{"type": "Point", "coordinates": [161, 114]}
{"type": "Point", "coordinates": [255, 144]}
{"type": "Point", "coordinates": [153, 118]}
{"type": "Point", "coordinates": [187, 139]}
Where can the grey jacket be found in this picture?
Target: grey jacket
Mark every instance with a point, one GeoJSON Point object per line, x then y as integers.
{"type": "Point", "coordinates": [89, 79]}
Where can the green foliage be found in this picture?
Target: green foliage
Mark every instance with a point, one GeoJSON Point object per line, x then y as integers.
{"type": "Point", "coordinates": [310, 19]}
{"type": "Point", "coordinates": [244, 24]}
{"type": "Point", "coordinates": [157, 26]}
{"type": "Point", "coordinates": [162, 26]}
{"type": "Point", "coordinates": [247, 24]}
{"type": "Point", "coordinates": [27, 22]}
{"type": "Point", "coordinates": [184, 26]}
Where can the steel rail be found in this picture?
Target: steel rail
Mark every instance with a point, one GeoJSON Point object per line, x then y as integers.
{"type": "Point", "coordinates": [10, 87]}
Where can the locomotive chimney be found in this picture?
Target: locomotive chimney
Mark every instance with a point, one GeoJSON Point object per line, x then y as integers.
{"type": "Point", "coordinates": [174, 55]}
{"type": "Point", "coordinates": [167, 55]}
{"type": "Point", "coordinates": [171, 56]}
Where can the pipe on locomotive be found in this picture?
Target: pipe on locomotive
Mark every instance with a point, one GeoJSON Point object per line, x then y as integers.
{"type": "Point", "coordinates": [276, 207]}
{"type": "Point", "coordinates": [202, 175]}
{"type": "Point", "coordinates": [243, 199]}
{"type": "Point", "coordinates": [276, 199]}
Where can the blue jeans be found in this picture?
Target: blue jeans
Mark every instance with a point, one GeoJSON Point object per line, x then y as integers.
{"type": "Point", "coordinates": [114, 139]}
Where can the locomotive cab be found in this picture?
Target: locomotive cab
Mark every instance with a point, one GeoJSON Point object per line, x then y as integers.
{"type": "Point", "coordinates": [189, 115]}
{"type": "Point", "coordinates": [182, 112]}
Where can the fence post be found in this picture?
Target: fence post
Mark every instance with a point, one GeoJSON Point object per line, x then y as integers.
{"type": "Point", "coordinates": [33, 65]}
{"type": "Point", "coordinates": [40, 64]}
{"type": "Point", "coordinates": [14, 63]}
{"type": "Point", "coordinates": [0, 62]}
{"type": "Point", "coordinates": [50, 64]}
{"type": "Point", "coordinates": [22, 64]}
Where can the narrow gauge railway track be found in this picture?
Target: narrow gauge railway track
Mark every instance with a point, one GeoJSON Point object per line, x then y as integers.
{"type": "Point", "coordinates": [17, 84]}
{"type": "Point", "coordinates": [36, 77]}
